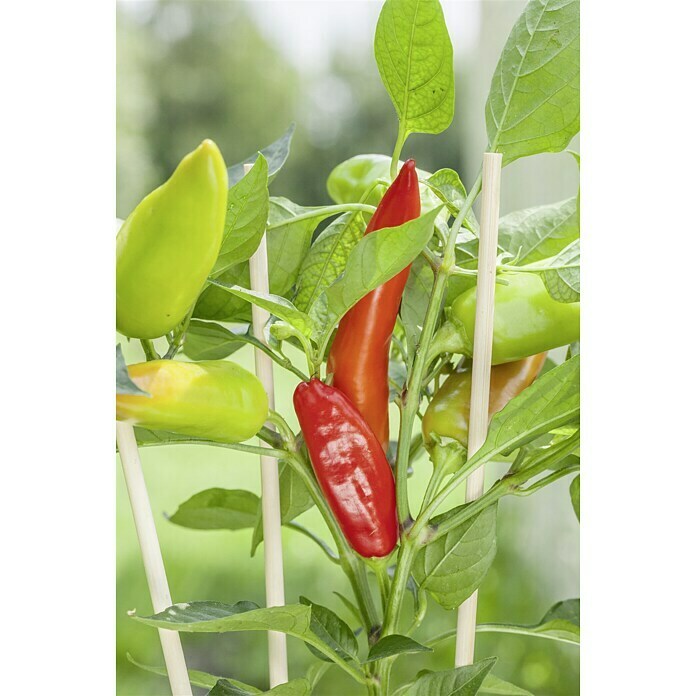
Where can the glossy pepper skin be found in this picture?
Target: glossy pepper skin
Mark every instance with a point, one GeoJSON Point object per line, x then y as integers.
{"type": "Point", "coordinates": [447, 414]}
{"type": "Point", "coordinates": [212, 399]}
{"type": "Point", "coordinates": [168, 245]}
{"type": "Point", "coordinates": [351, 468]}
{"type": "Point", "coordinates": [359, 356]}
{"type": "Point", "coordinates": [527, 321]}
{"type": "Point", "coordinates": [350, 180]}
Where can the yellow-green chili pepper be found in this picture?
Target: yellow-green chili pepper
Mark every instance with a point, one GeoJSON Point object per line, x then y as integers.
{"type": "Point", "coordinates": [527, 321]}
{"type": "Point", "coordinates": [212, 399]}
{"type": "Point", "coordinates": [168, 245]}
{"type": "Point", "coordinates": [447, 414]}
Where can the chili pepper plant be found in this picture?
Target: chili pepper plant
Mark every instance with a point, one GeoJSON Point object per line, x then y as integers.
{"type": "Point", "coordinates": [379, 306]}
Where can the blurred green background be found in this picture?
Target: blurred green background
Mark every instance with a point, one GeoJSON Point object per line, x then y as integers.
{"type": "Point", "coordinates": [240, 72]}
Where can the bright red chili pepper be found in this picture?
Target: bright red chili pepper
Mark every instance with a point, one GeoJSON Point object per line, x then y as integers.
{"type": "Point", "coordinates": [359, 357]}
{"type": "Point", "coordinates": [351, 467]}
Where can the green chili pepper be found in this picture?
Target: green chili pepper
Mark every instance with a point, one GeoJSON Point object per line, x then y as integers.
{"type": "Point", "coordinates": [527, 321]}
{"type": "Point", "coordinates": [167, 246]}
{"type": "Point", "coordinates": [350, 180]}
{"type": "Point", "coordinates": [447, 414]}
{"type": "Point", "coordinates": [212, 399]}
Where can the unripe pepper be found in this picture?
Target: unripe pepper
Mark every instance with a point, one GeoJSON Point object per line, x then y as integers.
{"type": "Point", "coordinates": [350, 180]}
{"type": "Point", "coordinates": [448, 413]}
{"type": "Point", "coordinates": [359, 356]}
{"type": "Point", "coordinates": [168, 245]}
{"type": "Point", "coordinates": [212, 399]}
{"type": "Point", "coordinates": [527, 321]}
{"type": "Point", "coordinates": [350, 466]}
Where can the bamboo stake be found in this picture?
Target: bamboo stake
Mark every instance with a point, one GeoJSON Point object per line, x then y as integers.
{"type": "Point", "coordinates": [270, 490]}
{"type": "Point", "coordinates": [481, 371]}
{"type": "Point", "coordinates": [152, 556]}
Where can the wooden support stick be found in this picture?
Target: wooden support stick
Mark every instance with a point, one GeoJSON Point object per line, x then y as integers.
{"type": "Point", "coordinates": [152, 556]}
{"type": "Point", "coordinates": [481, 371]}
{"type": "Point", "coordinates": [270, 490]}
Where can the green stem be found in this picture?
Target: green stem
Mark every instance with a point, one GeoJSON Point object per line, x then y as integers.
{"type": "Point", "coordinates": [179, 335]}
{"type": "Point", "coordinates": [237, 446]}
{"type": "Point", "coordinates": [327, 211]}
{"type": "Point", "coordinates": [149, 349]}
{"type": "Point", "coordinates": [411, 396]}
{"type": "Point", "coordinates": [400, 140]}
{"type": "Point", "coordinates": [334, 657]}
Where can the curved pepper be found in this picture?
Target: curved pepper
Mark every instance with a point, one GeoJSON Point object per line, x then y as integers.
{"type": "Point", "coordinates": [212, 399]}
{"type": "Point", "coordinates": [168, 245]}
{"type": "Point", "coordinates": [447, 414]}
{"type": "Point", "coordinates": [350, 180]}
{"type": "Point", "coordinates": [359, 356]}
{"type": "Point", "coordinates": [350, 466]}
{"type": "Point", "coordinates": [527, 321]}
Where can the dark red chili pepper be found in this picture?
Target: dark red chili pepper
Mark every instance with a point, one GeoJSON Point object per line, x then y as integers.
{"type": "Point", "coordinates": [359, 357]}
{"type": "Point", "coordinates": [351, 467]}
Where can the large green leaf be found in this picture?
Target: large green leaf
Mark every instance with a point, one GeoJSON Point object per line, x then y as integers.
{"type": "Point", "coordinates": [276, 154]}
{"type": "Point", "coordinates": [414, 56]}
{"type": "Point", "coordinates": [206, 340]}
{"type": "Point", "coordinates": [462, 681]}
{"type": "Point", "coordinates": [288, 241]}
{"type": "Point", "coordinates": [541, 232]}
{"type": "Point", "coordinates": [452, 567]}
{"type": "Point", "coordinates": [563, 280]}
{"type": "Point", "coordinates": [333, 631]}
{"type": "Point", "coordinates": [534, 102]}
{"type": "Point", "coordinates": [327, 258]}
{"type": "Point", "coordinates": [295, 687]}
{"type": "Point", "coordinates": [378, 257]}
{"type": "Point", "coordinates": [552, 401]}
{"type": "Point", "coordinates": [561, 623]}
{"type": "Point", "coordinates": [124, 384]}
{"type": "Point", "coordinates": [218, 508]}
{"type": "Point", "coordinates": [245, 222]}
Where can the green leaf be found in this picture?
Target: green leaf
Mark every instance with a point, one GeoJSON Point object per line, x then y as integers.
{"type": "Point", "coordinates": [226, 688]}
{"type": "Point", "coordinates": [534, 102]}
{"type": "Point", "coordinates": [552, 401]}
{"type": "Point", "coordinates": [206, 340]}
{"type": "Point", "coordinates": [295, 499]}
{"type": "Point", "coordinates": [288, 241]}
{"type": "Point", "coordinates": [218, 508]}
{"type": "Point", "coordinates": [415, 301]}
{"type": "Point", "coordinates": [124, 384]}
{"type": "Point", "coordinates": [327, 258]}
{"type": "Point", "coordinates": [538, 233]}
{"type": "Point", "coordinates": [394, 644]}
{"type": "Point", "coordinates": [452, 567]}
{"type": "Point", "coordinates": [575, 495]}
{"type": "Point", "coordinates": [563, 280]}
{"type": "Point", "coordinates": [414, 56]}
{"type": "Point", "coordinates": [448, 187]}
{"type": "Point", "coordinates": [276, 305]}
{"type": "Point", "coordinates": [275, 154]}
{"type": "Point", "coordinates": [196, 677]}
{"type": "Point", "coordinates": [151, 438]}
{"type": "Point", "coordinates": [333, 631]}
{"type": "Point", "coordinates": [499, 687]}
{"type": "Point", "coordinates": [561, 623]}
{"type": "Point", "coordinates": [462, 681]}
{"type": "Point", "coordinates": [245, 222]}
{"type": "Point", "coordinates": [315, 672]}
{"type": "Point", "coordinates": [377, 258]}
{"type": "Point", "coordinates": [217, 617]}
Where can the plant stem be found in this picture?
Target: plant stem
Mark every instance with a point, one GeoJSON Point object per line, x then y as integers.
{"type": "Point", "coordinates": [149, 349]}
{"type": "Point", "coordinates": [411, 396]}
{"type": "Point", "coordinates": [179, 335]}
{"type": "Point", "coordinates": [400, 140]}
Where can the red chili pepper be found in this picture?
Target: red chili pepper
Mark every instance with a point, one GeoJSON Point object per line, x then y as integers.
{"type": "Point", "coordinates": [359, 357]}
{"type": "Point", "coordinates": [351, 467]}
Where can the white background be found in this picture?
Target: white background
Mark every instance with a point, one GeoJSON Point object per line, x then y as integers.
{"type": "Point", "coordinates": [56, 273]}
